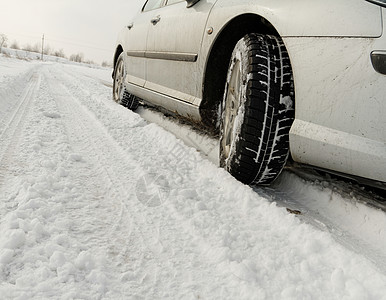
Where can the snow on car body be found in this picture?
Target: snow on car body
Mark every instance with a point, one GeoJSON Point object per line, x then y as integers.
{"type": "Point", "coordinates": [177, 56]}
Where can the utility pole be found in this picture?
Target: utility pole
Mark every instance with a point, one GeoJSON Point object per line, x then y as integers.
{"type": "Point", "coordinates": [42, 46]}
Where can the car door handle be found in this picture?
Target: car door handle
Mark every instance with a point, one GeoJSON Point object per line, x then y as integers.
{"type": "Point", "coordinates": [130, 25]}
{"type": "Point", "coordinates": [155, 20]}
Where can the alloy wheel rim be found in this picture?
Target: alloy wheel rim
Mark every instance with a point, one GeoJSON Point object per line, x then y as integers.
{"type": "Point", "coordinates": [118, 88]}
{"type": "Point", "coordinates": [232, 104]}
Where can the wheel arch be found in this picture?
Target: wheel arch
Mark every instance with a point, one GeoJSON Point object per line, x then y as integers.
{"type": "Point", "coordinates": [218, 60]}
{"type": "Point", "coordinates": [118, 52]}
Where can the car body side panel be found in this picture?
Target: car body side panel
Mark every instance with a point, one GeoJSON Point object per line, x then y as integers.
{"type": "Point", "coordinates": [179, 32]}
{"type": "Point", "coordinates": [153, 98]}
{"type": "Point", "coordinates": [336, 150]}
{"type": "Point", "coordinates": [133, 40]}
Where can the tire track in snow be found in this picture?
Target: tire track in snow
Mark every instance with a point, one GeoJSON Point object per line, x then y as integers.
{"type": "Point", "coordinates": [116, 232]}
{"type": "Point", "coordinates": [39, 245]}
{"type": "Point", "coordinates": [14, 126]}
{"type": "Point", "coordinates": [86, 139]}
{"type": "Point", "coordinates": [135, 235]}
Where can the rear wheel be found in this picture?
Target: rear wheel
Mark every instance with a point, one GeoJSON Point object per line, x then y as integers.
{"type": "Point", "coordinates": [257, 110]}
{"type": "Point", "coordinates": [120, 94]}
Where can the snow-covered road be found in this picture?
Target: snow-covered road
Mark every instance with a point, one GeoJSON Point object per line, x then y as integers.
{"type": "Point", "coordinates": [97, 203]}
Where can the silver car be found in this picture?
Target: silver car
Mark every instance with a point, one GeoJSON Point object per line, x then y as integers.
{"type": "Point", "coordinates": [304, 78]}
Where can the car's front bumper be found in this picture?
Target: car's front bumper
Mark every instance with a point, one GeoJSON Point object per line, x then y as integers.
{"type": "Point", "coordinates": [340, 86]}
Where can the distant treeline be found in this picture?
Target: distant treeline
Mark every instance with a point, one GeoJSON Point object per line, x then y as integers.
{"type": "Point", "coordinates": [48, 50]}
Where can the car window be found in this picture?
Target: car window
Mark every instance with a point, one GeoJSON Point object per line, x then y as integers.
{"type": "Point", "coordinates": [152, 4]}
{"type": "Point", "coordinates": [173, 1]}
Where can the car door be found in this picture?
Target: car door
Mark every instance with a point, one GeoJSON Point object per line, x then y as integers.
{"type": "Point", "coordinates": [173, 44]}
{"type": "Point", "coordinates": [135, 42]}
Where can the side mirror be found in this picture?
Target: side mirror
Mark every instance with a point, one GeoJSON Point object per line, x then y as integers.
{"type": "Point", "coordinates": [191, 2]}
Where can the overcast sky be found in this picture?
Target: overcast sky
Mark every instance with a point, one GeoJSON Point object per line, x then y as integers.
{"type": "Point", "coordinates": [76, 26]}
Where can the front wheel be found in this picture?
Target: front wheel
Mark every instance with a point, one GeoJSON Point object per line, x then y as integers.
{"type": "Point", "coordinates": [257, 110]}
{"type": "Point", "coordinates": [120, 94]}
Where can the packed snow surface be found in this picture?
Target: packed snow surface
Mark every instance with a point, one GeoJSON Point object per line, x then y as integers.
{"type": "Point", "coordinates": [98, 203]}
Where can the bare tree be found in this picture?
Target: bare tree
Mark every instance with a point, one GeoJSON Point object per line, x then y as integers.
{"type": "Point", "coordinates": [15, 45]}
{"type": "Point", "coordinates": [77, 57]}
{"type": "Point", "coordinates": [59, 53]}
{"type": "Point", "coordinates": [3, 41]}
{"type": "Point", "coordinates": [48, 50]}
{"type": "Point", "coordinates": [36, 48]}
{"type": "Point", "coordinates": [27, 47]}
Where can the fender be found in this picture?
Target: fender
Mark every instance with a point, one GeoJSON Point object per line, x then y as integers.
{"type": "Point", "coordinates": [304, 18]}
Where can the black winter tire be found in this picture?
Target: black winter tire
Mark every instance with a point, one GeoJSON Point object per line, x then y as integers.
{"type": "Point", "coordinates": [120, 95]}
{"type": "Point", "coordinates": [257, 110]}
